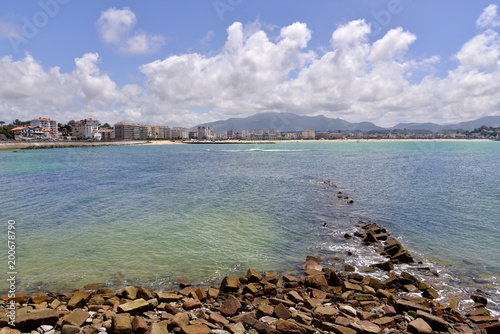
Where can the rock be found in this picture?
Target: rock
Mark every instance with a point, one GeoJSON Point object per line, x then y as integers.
{"type": "Point", "coordinates": [8, 330]}
{"type": "Point", "coordinates": [282, 312]}
{"type": "Point", "coordinates": [192, 304]}
{"type": "Point", "coordinates": [233, 328]}
{"type": "Point", "coordinates": [482, 319]}
{"type": "Point", "coordinates": [128, 292]}
{"type": "Point", "coordinates": [230, 284]}
{"type": "Point", "coordinates": [349, 286]}
{"type": "Point", "coordinates": [337, 329]}
{"type": "Point", "coordinates": [289, 327]}
{"type": "Point", "coordinates": [201, 294]}
{"type": "Point", "coordinates": [195, 329]}
{"type": "Point", "coordinates": [145, 293]}
{"type": "Point", "coordinates": [316, 281]}
{"type": "Point", "coordinates": [121, 324]}
{"type": "Point", "coordinates": [404, 305]}
{"type": "Point", "coordinates": [419, 326]}
{"type": "Point", "coordinates": [430, 293]}
{"type": "Point", "coordinates": [79, 299]}
{"type": "Point", "coordinates": [479, 299]}
{"type": "Point", "coordinates": [349, 268]}
{"type": "Point", "coordinates": [349, 310]}
{"type": "Point", "coordinates": [265, 310]}
{"type": "Point", "coordinates": [251, 289]}
{"type": "Point", "coordinates": [36, 318]}
{"type": "Point", "coordinates": [438, 324]}
{"type": "Point", "coordinates": [385, 266]}
{"type": "Point", "coordinates": [70, 329]}
{"type": "Point", "coordinates": [96, 300]}
{"type": "Point", "coordinates": [134, 307]}
{"type": "Point", "coordinates": [157, 328]}
{"type": "Point", "coordinates": [253, 276]}
{"type": "Point", "coordinates": [493, 328]}
{"type": "Point", "coordinates": [139, 325]}
{"type": "Point", "coordinates": [212, 293]}
{"type": "Point", "coordinates": [325, 313]}
{"type": "Point", "coordinates": [385, 322]}
{"type": "Point", "coordinates": [231, 306]}
{"type": "Point", "coordinates": [295, 297]}
{"type": "Point", "coordinates": [333, 277]}
{"type": "Point", "coordinates": [55, 304]}
{"type": "Point", "coordinates": [76, 318]}
{"type": "Point", "coordinates": [45, 329]}
{"type": "Point", "coordinates": [365, 327]}
{"type": "Point", "coordinates": [167, 297]}
{"type": "Point", "coordinates": [218, 319]}
{"type": "Point", "coordinates": [38, 298]}
{"type": "Point", "coordinates": [179, 320]}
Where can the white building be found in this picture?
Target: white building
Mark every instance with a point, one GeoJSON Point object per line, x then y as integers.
{"type": "Point", "coordinates": [204, 132]}
{"type": "Point", "coordinates": [87, 129]}
{"type": "Point", "coordinates": [46, 123]}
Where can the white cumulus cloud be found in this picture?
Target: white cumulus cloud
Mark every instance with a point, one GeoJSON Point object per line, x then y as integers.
{"type": "Point", "coordinates": [116, 27]}
{"type": "Point", "coordinates": [489, 18]}
{"type": "Point", "coordinates": [354, 78]}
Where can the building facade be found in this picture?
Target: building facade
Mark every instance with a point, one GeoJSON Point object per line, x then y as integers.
{"type": "Point", "coordinates": [46, 123]}
{"type": "Point", "coordinates": [203, 132]}
{"type": "Point", "coordinates": [180, 133]}
{"type": "Point", "coordinates": [87, 129]}
{"type": "Point", "coordinates": [309, 134]}
{"type": "Point", "coordinates": [127, 131]}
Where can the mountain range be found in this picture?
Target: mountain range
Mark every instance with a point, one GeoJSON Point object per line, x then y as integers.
{"type": "Point", "coordinates": [292, 122]}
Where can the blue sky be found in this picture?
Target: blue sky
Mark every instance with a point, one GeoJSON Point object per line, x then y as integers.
{"type": "Point", "coordinates": [187, 62]}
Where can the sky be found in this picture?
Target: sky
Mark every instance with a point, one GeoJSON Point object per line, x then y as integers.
{"type": "Point", "coordinates": [186, 62]}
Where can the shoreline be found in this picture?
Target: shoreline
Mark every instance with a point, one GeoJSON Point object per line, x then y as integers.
{"type": "Point", "coordinates": [317, 298]}
{"type": "Point", "coordinates": [12, 145]}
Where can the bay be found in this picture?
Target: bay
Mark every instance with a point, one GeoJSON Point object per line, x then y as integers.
{"type": "Point", "coordinates": [156, 214]}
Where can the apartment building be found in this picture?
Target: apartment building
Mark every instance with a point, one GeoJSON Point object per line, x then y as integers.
{"type": "Point", "coordinates": [87, 129]}
{"type": "Point", "coordinates": [46, 123]}
{"type": "Point", "coordinates": [127, 131]}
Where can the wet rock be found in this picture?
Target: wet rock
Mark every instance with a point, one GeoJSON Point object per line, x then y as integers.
{"type": "Point", "coordinates": [419, 326]}
{"type": "Point", "coordinates": [349, 286]}
{"type": "Point", "coordinates": [430, 293]}
{"type": "Point", "coordinates": [337, 329]}
{"type": "Point", "coordinates": [231, 306]}
{"type": "Point", "coordinates": [385, 266]}
{"type": "Point", "coordinates": [179, 320]}
{"type": "Point", "coordinates": [479, 299]}
{"type": "Point", "coordinates": [404, 305]}
{"type": "Point", "coordinates": [493, 328]}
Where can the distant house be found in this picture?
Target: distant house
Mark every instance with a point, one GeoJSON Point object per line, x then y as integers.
{"type": "Point", "coordinates": [180, 133]}
{"type": "Point", "coordinates": [32, 132]}
{"type": "Point", "coordinates": [204, 132]}
{"type": "Point", "coordinates": [106, 133]}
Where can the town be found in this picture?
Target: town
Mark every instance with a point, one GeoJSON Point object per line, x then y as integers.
{"type": "Point", "coordinates": [91, 129]}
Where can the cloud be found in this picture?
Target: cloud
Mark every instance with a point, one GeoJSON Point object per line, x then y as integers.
{"type": "Point", "coordinates": [354, 78]}
{"type": "Point", "coordinates": [9, 29]}
{"type": "Point", "coordinates": [489, 18]}
{"type": "Point", "coordinates": [116, 28]}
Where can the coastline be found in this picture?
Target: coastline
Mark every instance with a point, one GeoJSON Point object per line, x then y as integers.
{"type": "Point", "coordinates": [65, 144]}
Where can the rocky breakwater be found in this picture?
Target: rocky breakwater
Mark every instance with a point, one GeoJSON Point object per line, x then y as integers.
{"type": "Point", "coordinates": [319, 300]}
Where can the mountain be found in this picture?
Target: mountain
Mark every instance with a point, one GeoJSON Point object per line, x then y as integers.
{"type": "Point", "coordinates": [288, 122]}
{"type": "Point", "coordinates": [468, 126]}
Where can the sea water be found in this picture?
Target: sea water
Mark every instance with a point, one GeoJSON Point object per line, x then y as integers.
{"type": "Point", "coordinates": [153, 215]}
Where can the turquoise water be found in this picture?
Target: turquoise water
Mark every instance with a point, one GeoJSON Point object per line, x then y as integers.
{"type": "Point", "coordinates": [156, 214]}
